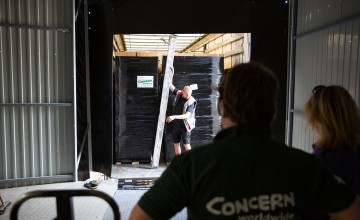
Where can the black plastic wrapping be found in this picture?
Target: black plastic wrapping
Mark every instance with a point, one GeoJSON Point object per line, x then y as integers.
{"type": "Point", "coordinates": [206, 72]}
{"type": "Point", "coordinates": [135, 109]}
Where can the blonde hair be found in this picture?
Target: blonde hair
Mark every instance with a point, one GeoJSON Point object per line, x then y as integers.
{"type": "Point", "coordinates": [333, 113]}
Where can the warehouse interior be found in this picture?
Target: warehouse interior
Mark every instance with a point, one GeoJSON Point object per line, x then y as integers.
{"type": "Point", "coordinates": [59, 61]}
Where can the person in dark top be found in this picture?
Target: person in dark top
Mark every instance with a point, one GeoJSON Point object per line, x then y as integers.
{"type": "Point", "coordinates": [183, 117]}
{"type": "Point", "coordinates": [334, 117]}
{"type": "Point", "coordinates": [244, 174]}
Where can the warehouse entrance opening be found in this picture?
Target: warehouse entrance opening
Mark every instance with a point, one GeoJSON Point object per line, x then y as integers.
{"type": "Point", "coordinates": [139, 65]}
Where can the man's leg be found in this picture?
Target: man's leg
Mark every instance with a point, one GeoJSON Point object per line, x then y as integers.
{"type": "Point", "coordinates": [187, 147]}
{"type": "Point", "coordinates": [186, 139]}
{"type": "Point", "coordinates": [176, 133]}
{"type": "Point", "coordinates": [177, 148]}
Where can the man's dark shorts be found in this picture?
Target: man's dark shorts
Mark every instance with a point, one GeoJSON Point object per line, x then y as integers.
{"type": "Point", "coordinates": [179, 133]}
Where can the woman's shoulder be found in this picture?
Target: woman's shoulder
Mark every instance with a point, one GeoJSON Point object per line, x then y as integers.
{"type": "Point", "coordinates": [344, 154]}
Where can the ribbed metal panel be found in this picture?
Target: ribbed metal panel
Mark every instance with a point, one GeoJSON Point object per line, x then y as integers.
{"type": "Point", "coordinates": [313, 14]}
{"type": "Point", "coordinates": [36, 89]}
{"type": "Point", "coordinates": [302, 137]}
{"type": "Point", "coordinates": [330, 56]}
{"type": "Point", "coordinates": [326, 56]}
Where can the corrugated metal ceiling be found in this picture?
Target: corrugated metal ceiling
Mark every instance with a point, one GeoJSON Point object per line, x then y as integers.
{"type": "Point", "coordinates": [156, 42]}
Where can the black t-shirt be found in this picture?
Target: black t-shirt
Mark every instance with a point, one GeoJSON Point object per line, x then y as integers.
{"type": "Point", "coordinates": [179, 107]}
{"type": "Point", "coordinates": [244, 175]}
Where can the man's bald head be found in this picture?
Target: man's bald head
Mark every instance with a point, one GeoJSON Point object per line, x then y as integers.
{"type": "Point", "coordinates": [186, 92]}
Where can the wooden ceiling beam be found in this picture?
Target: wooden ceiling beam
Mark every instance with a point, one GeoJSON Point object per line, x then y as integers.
{"type": "Point", "coordinates": [223, 43]}
{"type": "Point", "coordinates": [203, 41]}
{"type": "Point", "coordinates": [119, 42]}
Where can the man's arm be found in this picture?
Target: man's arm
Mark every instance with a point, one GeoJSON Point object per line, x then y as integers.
{"type": "Point", "coordinates": [350, 213]}
{"type": "Point", "coordinates": [138, 213]}
{"type": "Point", "coordinates": [172, 87]}
{"type": "Point", "coordinates": [173, 117]}
{"type": "Point", "coordinates": [189, 111]}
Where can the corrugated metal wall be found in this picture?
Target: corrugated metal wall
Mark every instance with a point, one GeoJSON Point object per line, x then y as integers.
{"type": "Point", "coordinates": [36, 92]}
{"type": "Point", "coordinates": [325, 50]}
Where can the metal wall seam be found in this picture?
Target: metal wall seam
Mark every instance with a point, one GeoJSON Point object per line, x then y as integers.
{"type": "Point", "coordinates": [48, 93]}
{"type": "Point", "coordinates": [341, 21]}
{"type": "Point", "coordinates": [88, 84]}
{"type": "Point", "coordinates": [50, 179]}
{"type": "Point", "coordinates": [74, 90]}
{"type": "Point", "coordinates": [291, 70]}
{"type": "Point", "coordinates": [56, 93]}
{"type": "Point", "coordinates": [40, 89]}
{"type": "Point", "coordinates": [4, 159]}
{"type": "Point", "coordinates": [22, 117]}
{"type": "Point", "coordinates": [36, 104]}
{"type": "Point", "coordinates": [34, 27]}
{"type": "Point", "coordinates": [12, 99]}
{"type": "Point", "coordinates": [31, 113]}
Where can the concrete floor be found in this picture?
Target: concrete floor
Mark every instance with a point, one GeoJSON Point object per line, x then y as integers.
{"type": "Point", "coordinates": [136, 171]}
{"type": "Point", "coordinates": [84, 207]}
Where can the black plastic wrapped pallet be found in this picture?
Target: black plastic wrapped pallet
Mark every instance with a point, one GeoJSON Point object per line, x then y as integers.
{"type": "Point", "coordinates": [206, 72]}
{"type": "Point", "coordinates": [135, 108]}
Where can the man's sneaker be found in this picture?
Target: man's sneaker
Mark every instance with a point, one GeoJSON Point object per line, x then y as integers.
{"type": "Point", "coordinates": [94, 183]}
{"type": "Point", "coordinates": [89, 185]}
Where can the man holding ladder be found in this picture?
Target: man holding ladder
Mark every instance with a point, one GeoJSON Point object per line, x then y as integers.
{"type": "Point", "coordinates": [183, 117]}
